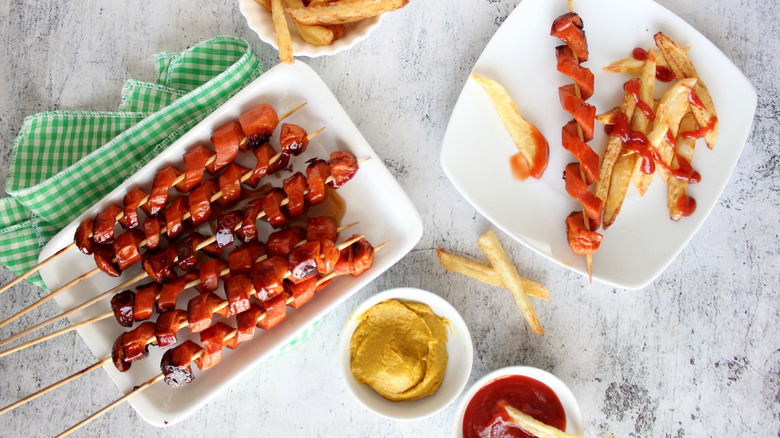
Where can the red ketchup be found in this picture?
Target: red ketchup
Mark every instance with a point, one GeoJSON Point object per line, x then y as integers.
{"type": "Point", "coordinates": [662, 73]}
{"type": "Point", "coordinates": [483, 418]}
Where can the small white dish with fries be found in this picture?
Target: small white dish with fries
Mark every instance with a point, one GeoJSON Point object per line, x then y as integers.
{"type": "Point", "coordinates": [643, 240]}
{"type": "Point", "coordinates": [347, 28]}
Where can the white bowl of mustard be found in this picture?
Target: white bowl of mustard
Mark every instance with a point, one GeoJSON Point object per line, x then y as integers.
{"type": "Point", "coordinates": [459, 351]}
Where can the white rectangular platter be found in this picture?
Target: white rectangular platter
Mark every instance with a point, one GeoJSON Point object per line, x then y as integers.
{"type": "Point", "coordinates": [373, 198]}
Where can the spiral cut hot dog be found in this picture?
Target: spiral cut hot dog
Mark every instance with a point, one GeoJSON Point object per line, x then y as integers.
{"type": "Point", "coordinates": [579, 175]}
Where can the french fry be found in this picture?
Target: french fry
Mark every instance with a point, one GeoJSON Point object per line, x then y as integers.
{"type": "Point", "coordinates": [629, 65]}
{"type": "Point", "coordinates": [344, 11]}
{"type": "Point", "coordinates": [641, 122]}
{"type": "Point", "coordinates": [608, 117]}
{"type": "Point", "coordinates": [682, 67]}
{"type": "Point", "coordinates": [613, 150]}
{"type": "Point", "coordinates": [532, 425]}
{"type": "Point", "coordinates": [629, 163]}
{"type": "Point", "coordinates": [674, 104]}
{"type": "Point", "coordinates": [633, 66]}
{"type": "Point", "coordinates": [532, 158]}
{"type": "Point", "coordinates": [487, 274]}
{"type": "Point", "coordinates": [489, 244]}
{"type": "Point", "coordinates": [282, 33]}
{"type": "Point", "coordinates": [314, 35]}
{"type": "Point", "coordinates": [676, 187]}
{"type": "Point", "coordinates": [337, 29]}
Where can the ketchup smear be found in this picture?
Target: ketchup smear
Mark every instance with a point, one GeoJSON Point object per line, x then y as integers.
{"type": "Point", "coordinates": [662, 73]}
{"type": "Point", "coordinates": [484, 419]}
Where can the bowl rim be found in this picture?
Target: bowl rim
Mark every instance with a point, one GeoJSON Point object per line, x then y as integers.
{"type": "Point", "coordinates": [456, 374]}
{"type": "Point", "coordinates": [574, 421]}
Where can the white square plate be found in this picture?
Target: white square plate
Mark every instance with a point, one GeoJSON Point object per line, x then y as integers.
{"type": "Point", "coordinates": [373, 197]}
{"type": "Point", "coordinates": [521, 56]}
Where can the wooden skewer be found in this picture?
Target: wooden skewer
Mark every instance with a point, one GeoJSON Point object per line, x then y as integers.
{"type": "Point", "coordinates": [78, 308]}
{"type": "Point", "coordinates": [123, 285]}
{"type": "Point", "coordinates": [116, 403]}
{"type": "Point", "coordinates": [54, 256]}
{"type": "Point", "coordinates": [141, 244]}
{"type": "Point", "coordinates": [55, 334]}
{"type": "Point", "coordinates": [109, 314]}
{"type": "Point", "coordinates": [585, 219]}
{"type": "Point", "coordinates": [157, 378]}
{"type": "Point", "coordinates": [56, 385]}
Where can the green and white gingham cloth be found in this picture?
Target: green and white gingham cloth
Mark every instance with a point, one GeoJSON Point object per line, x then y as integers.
{"type": "Point", "coordinates": [63, 162]}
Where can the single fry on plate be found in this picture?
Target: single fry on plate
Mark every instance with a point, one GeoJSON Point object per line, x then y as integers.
{"type": "Point", "coordinates": [486, 274]}
{"type": "Point", "coordinates": [534, 152]}
{"type": "Point", "coordinates": [344, 11]}
{"type": "Point", "coordinates": [493, 250]}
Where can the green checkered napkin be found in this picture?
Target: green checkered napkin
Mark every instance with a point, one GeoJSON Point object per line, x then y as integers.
{"type": "Point", "coordinates": [63, 162]}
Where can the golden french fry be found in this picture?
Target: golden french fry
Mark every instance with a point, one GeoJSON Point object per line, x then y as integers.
{"type": "Point", "coordinates": [282, 33]}
{"type": "Point", "coordinates": [318, 2]}
{"type": "Point", "coordinates": [486, 274]}
{"type": "Point", "coordinates": [674, 104]}
{"type": "Point", "coordinates": [613, 150]}
{"type": "Point", "coordinates": [682, 67]}
{"type": "Point", "coordinates": [628, 166]}
{"type": "Point", "coordinates": [618, 186]}
{"type": "Point", "coordinates": [676, 196]}
{"type": "Point", "coordinates": [344, 11]}
{"type": "Point", "coordinates": [337, 29]}
{"type": "Point", "coordinates": [608, 117]}
{"type": "Point", "coordinates": [640, 122]}
{"type": "Point", "coordinates": [314, 35]}
{"type": "Point", "coordinates": [531, 424]}
{"type": "Point", "coordinates": [633, 66]}
{"type": "Point", "coordinates": [529, 141]}
{"type": "Point", "coordinates": [489, 244]}
{"type": "Point", "coordinates": [628, 65]}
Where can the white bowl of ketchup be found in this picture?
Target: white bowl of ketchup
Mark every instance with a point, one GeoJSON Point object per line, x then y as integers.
{"type": "Point", "coordinates": [531, 390]}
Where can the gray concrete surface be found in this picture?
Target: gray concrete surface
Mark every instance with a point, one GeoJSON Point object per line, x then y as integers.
{"type": "Point", "coordinates": [697, 353]}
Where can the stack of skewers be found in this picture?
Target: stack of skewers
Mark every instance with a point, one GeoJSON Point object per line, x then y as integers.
{"type": "Point", "coordinates": [191, 232]}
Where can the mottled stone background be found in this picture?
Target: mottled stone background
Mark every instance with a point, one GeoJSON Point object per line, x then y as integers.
{"type": "Point", "coordinates": [697, 353]}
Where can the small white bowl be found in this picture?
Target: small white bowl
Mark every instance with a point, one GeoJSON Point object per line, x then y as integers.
{"type": "Point", "coordinates": [259, 20]}
{"type": "Point", "coordinates": [574, 424]}
{"type": "Point", "coordinates": [459, 351]}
